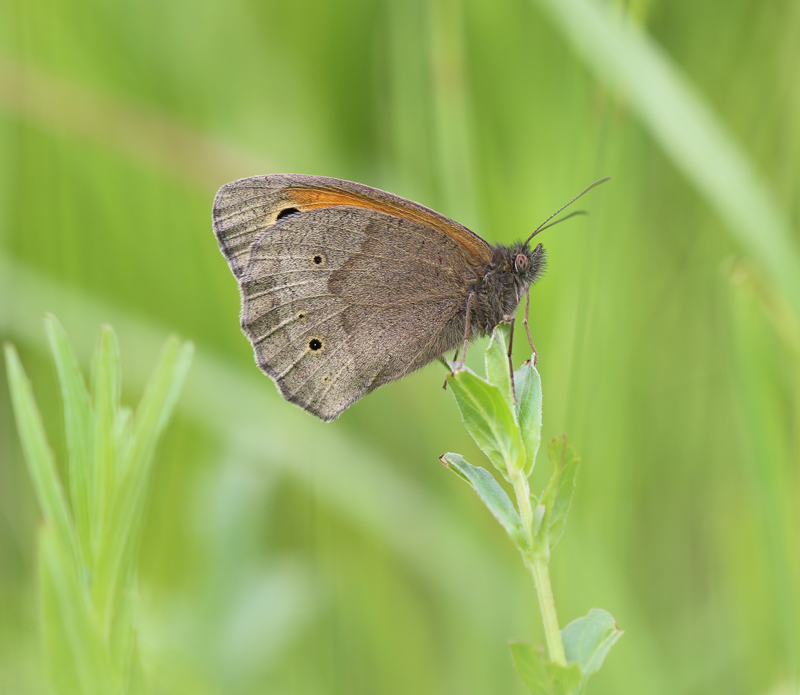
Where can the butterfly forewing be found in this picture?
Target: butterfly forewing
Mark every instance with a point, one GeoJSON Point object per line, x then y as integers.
{"type": "Point", "coordinates": [244, 208]}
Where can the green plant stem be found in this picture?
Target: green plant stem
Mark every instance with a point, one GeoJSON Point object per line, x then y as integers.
{"type": "Point", "coordinates": [536, 561]}
{"type": "Point", "coordinates": [541, 578]}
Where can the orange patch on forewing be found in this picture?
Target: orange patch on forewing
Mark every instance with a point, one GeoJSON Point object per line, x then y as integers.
{"type": "Point", "coordinates": [311, 198]}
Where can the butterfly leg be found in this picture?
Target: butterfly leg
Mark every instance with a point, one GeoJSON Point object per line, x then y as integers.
{"type": "Point", "coordinates": [455, 357]}
{"type": "Point", "coordinates": [511, 320]}
{"type": "Point", "coordinates": [470, 302]}
{"type": "Point", "coordinates": [527, 329]}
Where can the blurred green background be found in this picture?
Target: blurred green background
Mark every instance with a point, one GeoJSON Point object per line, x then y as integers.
{"type": "Point", "coordinates": [287, 556]}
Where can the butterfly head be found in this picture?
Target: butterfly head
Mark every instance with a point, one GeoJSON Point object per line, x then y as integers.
{"type": "Point", "coordinates": [506, 279]}
{"type": "Point", "coordinates": [528, 265]}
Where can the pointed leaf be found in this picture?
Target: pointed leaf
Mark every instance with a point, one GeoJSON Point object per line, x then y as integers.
{"type": "Point", "coordinates": [77, 426]}
{"type": "Point", "coordinates": [106, 378]}
{"type": "Point", "coordinates": [538, 515]}
{"type": "Point", "coordinates": [587, 640]}
{"type": "Point", "coordinates": [126, 512]}
{"type": "Point", "coordinates": [498, 369]}
{"type": "Point", "coordinates": [39, 456]}
{"type": "Point", "coordinates": [558, 495]}
{"type": "Point", "coordinates": [491, 494]}
{"type": "Point", "coordinates": [123, 428]}
{"type": "Point", "coordinates": [569, 463]}
{"type": "Point", "coordinates": [528, 385]}
{"type": "Point", "coordinates": [488, 418]}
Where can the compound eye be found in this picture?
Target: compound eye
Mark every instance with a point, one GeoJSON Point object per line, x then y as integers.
{"type": "Point", "coordinates": [521, 262]}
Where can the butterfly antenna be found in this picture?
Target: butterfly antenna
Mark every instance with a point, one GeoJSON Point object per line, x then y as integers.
{"type": "Point", "coordinates": [544, 224]}
{"type": "Point", "coordinates": [563, 219]}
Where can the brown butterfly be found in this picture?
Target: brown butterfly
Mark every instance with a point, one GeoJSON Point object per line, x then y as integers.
{"type": "Point", "coordinates": [345, 287]}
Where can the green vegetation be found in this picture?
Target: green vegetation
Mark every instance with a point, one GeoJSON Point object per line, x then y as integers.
{"type": "Point", "coordinates": [282, 555]}
{"type": "Point", "coordinates": [88, 544]}
{"type": "Point", "coordinates": [505, 420]}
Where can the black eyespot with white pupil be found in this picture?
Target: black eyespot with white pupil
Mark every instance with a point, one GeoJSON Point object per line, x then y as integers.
{"type": "Point", "coordinates": [315, 344]}
{"type": "Point", "coordinates": [286, 213]}
{"type": "Point", "coordinates": [521, 262]}
{"type": "Point", "coordinates": [318, 260]}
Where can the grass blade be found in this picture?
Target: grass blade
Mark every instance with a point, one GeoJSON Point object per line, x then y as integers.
{"type": "Point", "coordinates": [688, 130]}
{"type": "Point", "coordinates": [38, 455]}
{"type": "Point", "coordinates": [105, 391]}
{"type": "Point", "coordinates": [77, 659]}
{"type": "Point", "coordinates": [77, 427]}
{"type": "Point", "coordinates": [126, 514]}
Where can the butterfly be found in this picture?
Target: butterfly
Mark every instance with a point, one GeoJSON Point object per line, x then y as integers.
{"type": "Point", "coordinates": [345, 287]}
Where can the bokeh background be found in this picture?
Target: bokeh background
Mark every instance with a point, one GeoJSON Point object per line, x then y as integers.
{"type": "Point", "coordinates": [287, 556]}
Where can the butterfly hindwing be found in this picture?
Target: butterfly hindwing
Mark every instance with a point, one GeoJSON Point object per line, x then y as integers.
{"type": "Point", "coordinates": [338, 301]}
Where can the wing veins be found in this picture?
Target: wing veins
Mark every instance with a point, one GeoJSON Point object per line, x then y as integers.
{"type": "Point", "coordinates": [294, 318]}
{"type": "Point", "coordinates": [345, 342]}
{"type": "Point", "coordinates": [299, 299]}
{"type": "Point", "coordinates": [292, 341]}
{"type": "Point", "coordinates": [270, 290]}
{"type": "Point", "coordinates": [277, 223]}
{"type": "Point", "coordinates": [361, 253]}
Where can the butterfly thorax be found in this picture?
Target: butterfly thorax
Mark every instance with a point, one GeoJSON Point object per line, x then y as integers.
{"type": "Point", "coordinates": [501, 284]}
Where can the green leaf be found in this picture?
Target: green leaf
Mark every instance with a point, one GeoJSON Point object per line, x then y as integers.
{"type": "Point", "coordinates": [92, 648]}
{"type": "Point", "coordinates": [528, 385]}
{"type": "Point", "coordinates": [538, 510]}
{"type": "Point", "coordinates": [491, 494]}
{"type": "Point", "coordinates": [126, 513]}
{"type": "Point", "coordinates": [122, 635]}
{"type": "Point", "coordinates": [557, 497]}
{"type": "Point", "coordinates": [123, 431]}
{"type": "Point", "coordinates": [541, 676]}
{"type": "Point", "coordinates": [587, 640]}
{"type": "Point", "coordinates": [530, 664]}
{"type": "Point", "coordinates": [106, 378]}
{"type": "Point", "coordinates": [488, 418]}
{"type": "Point", "coordinates": [39, 456]}
{"type": "Point", "coordinates": [78, 661]}
{"type": "Point", "coordinates": [565, 680]}
{"type": "Point", "coordinates": [77, 427]}
{"type": "Point", "coordinates": [498, 369]}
